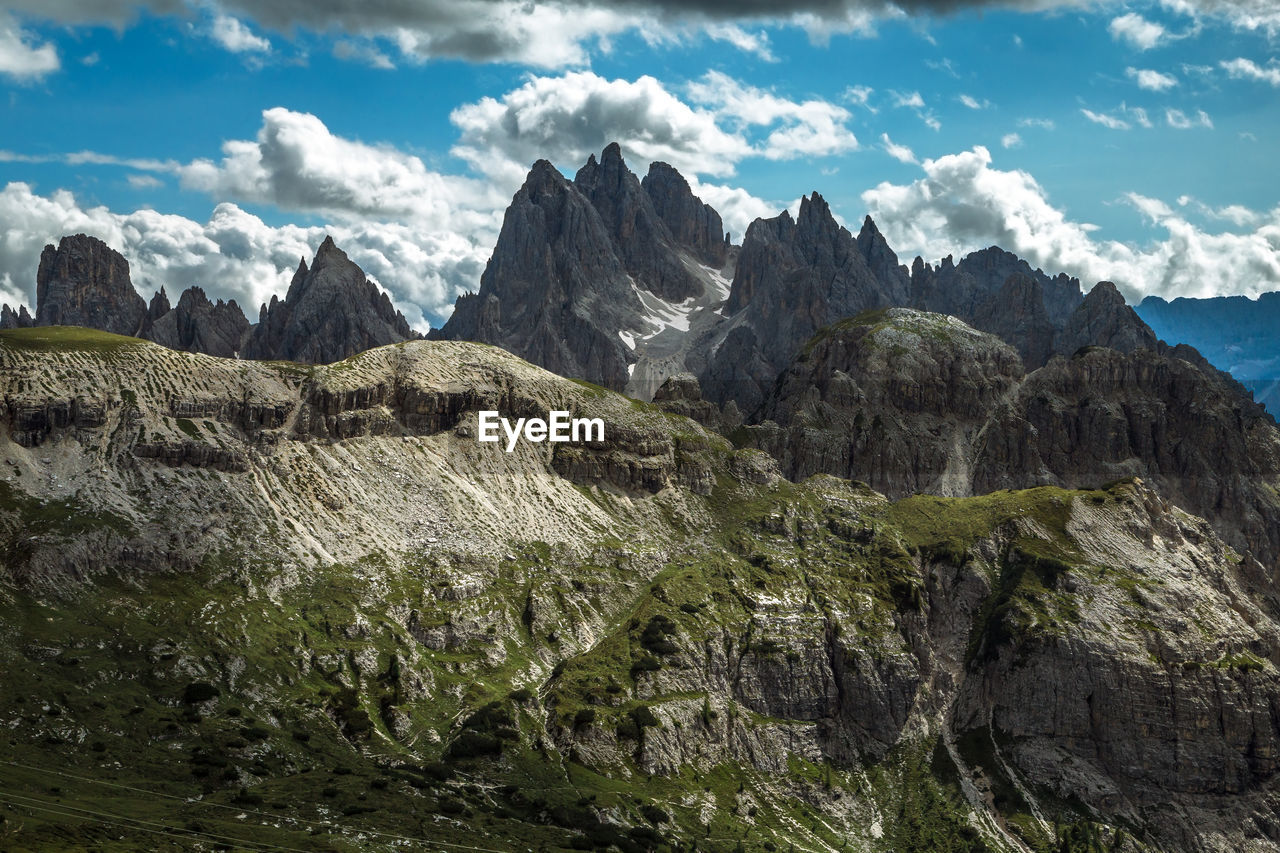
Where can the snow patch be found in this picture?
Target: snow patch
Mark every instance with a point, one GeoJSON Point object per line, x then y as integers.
{"type": "Point", "coordinates": [628, 339]}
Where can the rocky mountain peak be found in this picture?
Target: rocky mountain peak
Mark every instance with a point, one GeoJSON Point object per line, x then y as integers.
{"type": "Point", "coordinates": [159, 305]}
{"type": "Point", "coordinates": [1104, 319]}
{"type": "Point", "coordinates": [331, 311]}
{"type": "Point", "coordinates": [555, 290]}
{"type": "Point", "coordinates": [692, 224]}
{"type": "Point", "coordinates": [84, 282]}
{"type": "Point", "coordinates": [638, 233]}
{"type": "Point", "coordinates": [10, 319]}
{"type": "Point", "coordinates": [198, 325]}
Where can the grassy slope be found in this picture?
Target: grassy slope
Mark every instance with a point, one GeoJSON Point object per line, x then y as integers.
{"type": "Point", "coordinates": [108, 685]}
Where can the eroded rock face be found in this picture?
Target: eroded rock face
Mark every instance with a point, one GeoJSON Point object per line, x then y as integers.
{"type": "Point", "coordinates": [792, 278]}
{"type": "Point", "coordinates": [20, 319]}
{"type": "Point", "coordinates": [330, 312]}
{"type": "Point", "coordinates": [961, 289]}
{"type": "Point", "coordinates": [894, 398]}
{"type": "Point", "coordinates": [198, 325]}
{"type": "Point", "coordinates": [691, 223]}
{"type": "Point", "coordinates": [913, 402]}
{"type": "Point", "coordinates": [1104, 414]}
{"type": "Point", "coordinates": [1103, 319]}
{"type": "Point", "coordinates": [554, 291]}
{"type": "Point", "coordinates": [638, 234]}
{"type": "Point", "coordinates": [84, 282]}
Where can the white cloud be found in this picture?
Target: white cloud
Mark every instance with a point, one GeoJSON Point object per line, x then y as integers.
{"type": "Point", "coordinates": [1247, 69]}
{"type": "Point", "coordinates": [144, 182]}
{"type": "Point", "coordinates": [564, 119]}
{"type": "Point", "coordinates": [755, 43]}
{"type": "Point", "coordinates": [1011, 140]}
{"type": "Point", "coordinates": [915, 101]}
{"type": "Point", "coordinates": [1137, 31]}
{"type": "Point", "coordinates": [1180, 120]}
{"type": "Point", "coordinates": [910, 100]}
{"type": "Point", "coordinates": [973, 103]}
{"type": "Point", "coordinates": [1151, 80]}
{"type": "Point", "coordinates": [233, 35]}
{"type": "Point", "coordinates": [1042, 123]}
{"type": "Point", "coordinates": [1117, 121]}
{"type": "Point", "coordinates": [1105, 120]}
{"type": "Point", "coordinates": [963, 204]}
{"type": "Point", "coordinates": [297, 164]}
{"type": "Point", "coordinates": [812, 128]}
{"type": "Point", "coordinates": [1237, 214]}
{"type": "Point", "coordinates": [860, 96]}
{"type": "Point", "coordinates": [20, 57]}
{"type": "Point", "coordinates": [901, 153]}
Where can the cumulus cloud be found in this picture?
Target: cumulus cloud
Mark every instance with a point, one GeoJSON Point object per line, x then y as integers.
{"type": "Point", "coordinates": [234, 36]}
{"type": "Point", "coordinates": [569, 117]}
{"type": "Point", "coordinates": [1136, 31]}
{"type": "Point", "coordinates": [1247, 69]}
{"type": "Point", "coordinates": [962, 203]}
{"type": "Point", "coordinates": [295, 163]}
{"type": "Point", "coordinates": [1011, 140]}
{"type": "Point", "coordinates": [799, 128]}
{"type": "Point", "coordinates": [901, 153]}
{"type": "Point", "coordinates": [566, 118]}
{"type": "Point", "coordinates": [1151, 80]}
{"type": "Point", "coordinates": [20, 57]}
{"type": "Point", "coordinates": [1181, 121]}
{"type": "Point", "coordinates": [563, 33]}
{"type": "Point", "coordinates": [234, 254]}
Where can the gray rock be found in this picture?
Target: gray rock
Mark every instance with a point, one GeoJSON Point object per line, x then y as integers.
{"type": "Point", "coordinates": [198, 325]}
{"type": "Point", "coordinates": [793, 277]}
{"type": "Point", "coordinates": [1103, 319]}
{"type": "Point", "coordinates": [84, 282]}
{"type": "Point", "coordinates": [692, 224]}
{"type": "Point", "coordinates": [330, 312]}
{"type": "Point", "coordinates": [639, 236]}
{"type": "Point", "coordinates": [554, 292]}
{"type": "Point", "coordinates": [10, 319]}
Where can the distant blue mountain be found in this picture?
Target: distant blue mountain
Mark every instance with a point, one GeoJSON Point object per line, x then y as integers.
{"type": "Point", "coordinates": [1235, 333]}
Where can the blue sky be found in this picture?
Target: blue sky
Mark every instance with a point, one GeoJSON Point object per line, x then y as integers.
{"type": "Point", "coordinates": [215, 144]}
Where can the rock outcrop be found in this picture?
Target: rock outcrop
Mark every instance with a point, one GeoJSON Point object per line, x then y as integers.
{"type": "Point", "coordinates": [554, 291]}
{"type": "Point", "coordinates": [913, 402]}
{"type": "Point", "coordinates": [638, 234]}
{"type": "Point", "coordinates": [895, 398]}
{"type": "Point", "coordinates": [20, 319]}
{"type": "Point", "coordinates": [1104, 319]}
{"type": "Point", "coordinates": [331, 311]}
{"type": "Point", "coordinates": [792, 278]}
{"type": "Point", "coordinates": [693, 224]}
{"type": "Point", "coordinates": [84, 282]}
{"type": "Point", "coordinates": [961, 289]}
{"type": "Point", "coordinates": [198, 325]}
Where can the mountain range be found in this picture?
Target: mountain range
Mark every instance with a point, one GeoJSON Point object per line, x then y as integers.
{"type": "Point", "coordinates": [330, 311]}
{"type": "Point", "coordinates": [871, 556]}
